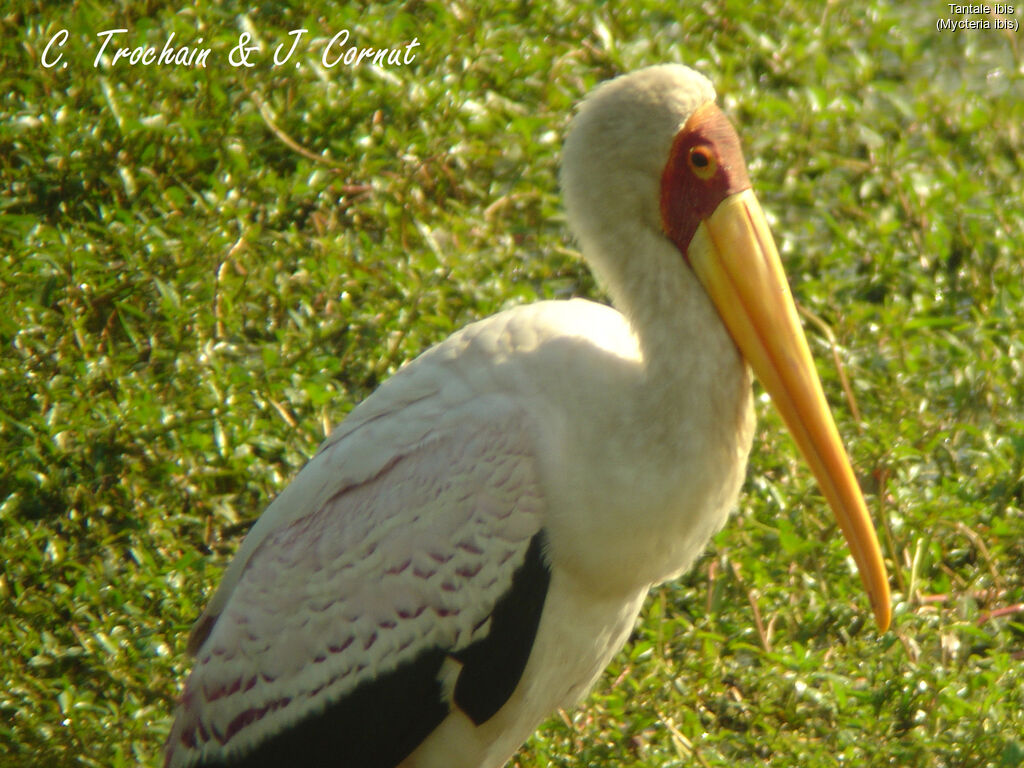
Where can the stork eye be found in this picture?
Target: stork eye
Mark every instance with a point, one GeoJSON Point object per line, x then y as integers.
{"type": "Point", "coordinates": [702, 162]}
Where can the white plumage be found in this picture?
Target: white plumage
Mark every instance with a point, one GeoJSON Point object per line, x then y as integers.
{"type": "Point", "coordinates": [564, 453]}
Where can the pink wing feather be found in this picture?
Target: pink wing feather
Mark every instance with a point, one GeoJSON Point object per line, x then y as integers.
{"type": "Point", "coordinates": [413, 557]}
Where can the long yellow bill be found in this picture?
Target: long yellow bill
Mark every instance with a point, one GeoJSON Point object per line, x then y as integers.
{"type": "Point", "coordinates": [734, 256]}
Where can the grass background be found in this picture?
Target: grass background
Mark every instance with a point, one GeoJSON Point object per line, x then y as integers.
{"type": "Point", "coordinates": [204, 270]}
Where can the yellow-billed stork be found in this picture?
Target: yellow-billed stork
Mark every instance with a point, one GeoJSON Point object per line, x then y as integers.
{"type": "Point", "coordinates": [467, 551]}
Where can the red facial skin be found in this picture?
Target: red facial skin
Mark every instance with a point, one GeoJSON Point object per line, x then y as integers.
{"type": "Point", "coordinates": [704, 167]}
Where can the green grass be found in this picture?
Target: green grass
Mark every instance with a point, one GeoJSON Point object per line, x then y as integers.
{"type": "Point", "coordinates": [188, 303]}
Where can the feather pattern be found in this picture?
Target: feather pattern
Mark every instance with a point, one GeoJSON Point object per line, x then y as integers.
{"type": "Point", "coordinates": [411, 559]}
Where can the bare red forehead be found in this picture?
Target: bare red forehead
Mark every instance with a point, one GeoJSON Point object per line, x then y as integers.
{"type": "Point", "coordinates": [686, 198]}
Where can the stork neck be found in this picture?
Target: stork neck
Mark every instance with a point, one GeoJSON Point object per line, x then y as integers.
{"type": "Point", "coordinates": [684, 343]}
{"type": "Point", "coordinates": [684, 420]}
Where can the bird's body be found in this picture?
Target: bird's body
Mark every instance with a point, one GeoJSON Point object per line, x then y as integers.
{"type": "Point", "coordinates": [471, 546]}
{"type": "Point", "coordinates": [490, 410]}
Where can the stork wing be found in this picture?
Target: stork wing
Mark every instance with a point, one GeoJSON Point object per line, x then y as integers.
{"type": "Point", "coordinates": [364, 603]}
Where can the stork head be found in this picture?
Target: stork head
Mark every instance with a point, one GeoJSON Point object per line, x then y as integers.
{"type": "Point", "coordinates": [651, 154]}
{"type": "Point", "coordinates": [618, 147]}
